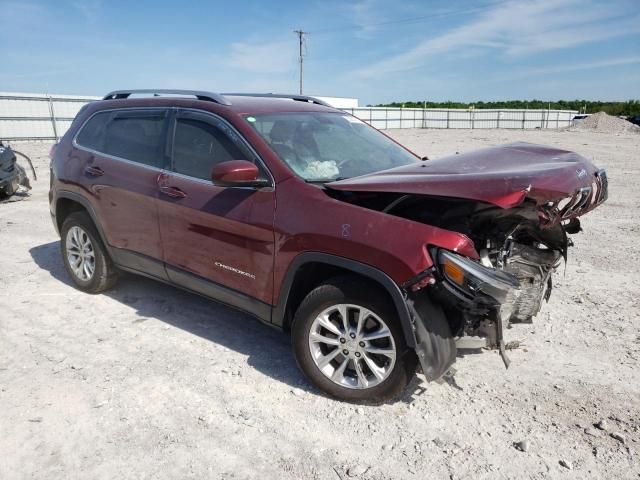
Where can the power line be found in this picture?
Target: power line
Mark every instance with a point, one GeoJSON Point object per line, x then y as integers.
{"type": "Point", "coordinates": [301, 33]}
{"type": "Point", "coordinates": [410, 20]}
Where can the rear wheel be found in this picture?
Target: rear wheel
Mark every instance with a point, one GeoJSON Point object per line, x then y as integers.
{"type": "Point", "coordinates": [84, 255]}
{"type": "Point", "coordinates": [348, 342]}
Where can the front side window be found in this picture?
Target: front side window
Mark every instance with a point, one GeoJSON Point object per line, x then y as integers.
{"type": "Point", "coordinates": [199, 145]}
{"type": "Point", "coordinates": [135, 135]}
{"type": "Point", "coordinates": [321, 147]}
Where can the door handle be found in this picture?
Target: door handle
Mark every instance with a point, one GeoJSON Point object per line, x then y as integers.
{"type": "Point", "coordinates": [94, 171]}
{"type": "Point", "coordinates": [172, 192]}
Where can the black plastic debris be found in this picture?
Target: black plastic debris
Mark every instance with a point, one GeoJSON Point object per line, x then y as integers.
{"type": "Point", "coordinates": [12, 175]}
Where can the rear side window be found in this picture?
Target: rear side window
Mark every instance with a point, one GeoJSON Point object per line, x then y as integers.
{"type": "Point", "coordinates": [136, 135]}
{"type": "Point", "coordinates": [92, 134]}
{"type": "Point", "coordinates": [199, 146]}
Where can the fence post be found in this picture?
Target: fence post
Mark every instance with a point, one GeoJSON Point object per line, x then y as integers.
{"type": "Point", "coordinates": [473, 118]}
{"type": "Point", "coordinates": [557, 120]}
{"type": "Point", "coordinates": [52, 114]}
{"type": "Point", "coordinates": [524, 114]}
{"type": "Point", "coordinates": [386, 118]}
{"type": "Point", "coordinates": [542, 121]}
{"type": "Point", "coordinates": [499, 113]}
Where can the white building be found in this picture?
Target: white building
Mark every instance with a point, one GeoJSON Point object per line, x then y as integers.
{"type": "Point", "coordinates": [338, 102]}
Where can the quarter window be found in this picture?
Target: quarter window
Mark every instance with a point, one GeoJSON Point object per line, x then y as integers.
{"type": "Point", "coordinates": [132, 135]}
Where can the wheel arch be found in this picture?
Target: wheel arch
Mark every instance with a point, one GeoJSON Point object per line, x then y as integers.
{"type": "Point", "coordinates": [309, 269]}
{"type": "Point", "coordinates": [69, 202]}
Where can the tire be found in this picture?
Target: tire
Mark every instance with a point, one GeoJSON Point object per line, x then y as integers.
{"type": "Point", "coordinates": [328, 302]}
{"type": "Point", "coordinates": [103, 274]}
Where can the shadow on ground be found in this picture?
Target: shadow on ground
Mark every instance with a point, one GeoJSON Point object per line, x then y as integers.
{"type": "Point", "coordinates": [268, 349]}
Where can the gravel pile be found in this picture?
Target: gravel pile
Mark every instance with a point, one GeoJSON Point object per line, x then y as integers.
{"type": "Point", "coordinates": [603, 123]}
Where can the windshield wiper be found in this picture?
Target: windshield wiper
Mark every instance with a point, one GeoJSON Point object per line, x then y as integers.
{"type": "Point", "coordinates": [325, 180]}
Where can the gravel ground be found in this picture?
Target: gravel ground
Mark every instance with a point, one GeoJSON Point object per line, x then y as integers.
{"type": "Point", "coordinates": [147, 381]}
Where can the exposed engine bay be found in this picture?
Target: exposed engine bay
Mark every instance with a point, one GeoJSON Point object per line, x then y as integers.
{"type": "Point", "coordinates": [517, 204]}
{"type": "Point", "coordinates": [510, 240]}
{"type": "Point", "coordinates": [528, 242]}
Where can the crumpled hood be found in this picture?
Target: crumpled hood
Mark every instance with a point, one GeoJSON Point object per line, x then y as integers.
{"type": "Point", "coordinates": [504, 176]}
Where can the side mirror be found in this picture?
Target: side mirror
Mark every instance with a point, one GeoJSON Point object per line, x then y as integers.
{"type": "Point", "coordinates": [237, 173]}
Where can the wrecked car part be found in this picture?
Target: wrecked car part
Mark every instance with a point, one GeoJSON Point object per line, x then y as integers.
{"type": "Point", "coordinates": [532, 267]}
{"type": "Point", "coordinates": [502, 176]}
{"type": "Point", "coordinates": [500, 339]}
{"type": "Point", "coordinates": [471, 343]}
{"type": "Point", "coordinates": [526, 241]}
{"type": "Point", "coordinates": [33, 170]}
{"type": "Point", "coordinates": [435, 347]}
{"type": "Point", "coordinates": [12, 175]}
{"type": "Point", "coordinates": [477, 291]}
{"type": "Point", "coordinates": [510, 239]}
{"type": "Point", "coordinates": [474, 279]}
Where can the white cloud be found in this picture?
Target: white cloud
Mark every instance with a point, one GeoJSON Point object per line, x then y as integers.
{"type": "Point", "coordinates": [554, 69]}
{"type": "Point", "coordinates": [517, 28]}
{"type": "Point", "coordinates": [90, 9]}
{"type": "Point", "coordinates": [263, 58]}
{"type": "Point", "coordinates": [364, 17]}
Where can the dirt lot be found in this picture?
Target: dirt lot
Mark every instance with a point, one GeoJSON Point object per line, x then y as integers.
{"type": "Point", "coordinates": [151, 382]}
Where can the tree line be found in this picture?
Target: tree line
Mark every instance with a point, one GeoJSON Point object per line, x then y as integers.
{"type": "Point", "coordinates": [628, 108]}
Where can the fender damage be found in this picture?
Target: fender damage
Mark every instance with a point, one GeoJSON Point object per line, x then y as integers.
{"type": "Point", "coordinates": [517, 203]}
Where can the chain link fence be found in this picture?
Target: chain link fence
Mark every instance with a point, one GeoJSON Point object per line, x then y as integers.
{"type": "Point", "coordinates": [384, 118]}
{"type": "Point", "coordinates": [28, 116]}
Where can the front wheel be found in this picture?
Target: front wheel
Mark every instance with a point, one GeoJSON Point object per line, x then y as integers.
{"type": "Point", "coordinates": [347, 341]}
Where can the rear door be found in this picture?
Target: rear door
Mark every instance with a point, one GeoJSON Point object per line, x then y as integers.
{"type": "Point", "coordinates": [216, 240]}
{"type": "Point", "coordinates": [122, 153]}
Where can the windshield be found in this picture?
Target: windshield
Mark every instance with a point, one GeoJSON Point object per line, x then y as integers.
{"type": "Point", "coordinates": [321, 147]}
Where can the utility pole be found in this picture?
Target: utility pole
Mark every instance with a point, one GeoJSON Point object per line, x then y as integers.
{"type": "Point", "coordinates": [301, 35]}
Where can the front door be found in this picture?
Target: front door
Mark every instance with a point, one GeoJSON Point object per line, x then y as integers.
{"type": "Point", "coordinates": [216, 240]}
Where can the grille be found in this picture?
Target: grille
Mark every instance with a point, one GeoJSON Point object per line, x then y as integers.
{"type": "Point", "coordinates": [587, 198]}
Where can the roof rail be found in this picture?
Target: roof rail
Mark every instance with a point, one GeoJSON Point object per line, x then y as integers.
{"type": "Point", "coordinates": [299, 98]}
{"type": "Point", "coordinates": [200, 95]}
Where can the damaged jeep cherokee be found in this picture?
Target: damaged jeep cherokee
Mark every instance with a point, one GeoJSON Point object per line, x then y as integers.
{"type": "Point", "coordinates": [376, 262]}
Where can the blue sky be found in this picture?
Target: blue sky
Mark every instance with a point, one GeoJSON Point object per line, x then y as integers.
{"type": "Point", "coordinates": [375, 50]}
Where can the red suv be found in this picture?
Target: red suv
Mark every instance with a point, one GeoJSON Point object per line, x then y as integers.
{"type": "Point", "coordinates": [377, 262]}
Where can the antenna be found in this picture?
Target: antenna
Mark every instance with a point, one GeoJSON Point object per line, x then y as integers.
{"type": "Point", "coordinates": [301, 35]}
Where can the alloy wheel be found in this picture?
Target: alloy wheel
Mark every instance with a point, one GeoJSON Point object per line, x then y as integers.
{"type": "Point", "coordinates": [352, 346]}
{"type": "Point", "coordinates": [80, 253]}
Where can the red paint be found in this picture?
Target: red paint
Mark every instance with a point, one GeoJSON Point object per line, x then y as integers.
{"type": "Point", "coordinates": [203, 228]}
{"type": "Point", "coordinates": [235, 171]}
{"type": "Point", "coordinates": [218, 225]}
{"type": "Point", "coordinates": [503, 175]}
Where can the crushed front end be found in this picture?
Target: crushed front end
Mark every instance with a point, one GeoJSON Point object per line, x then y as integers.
{"type": "Point", "coordinates": [517, 204]}
{"type": "Point", "coordinates": [462, 291]}
{"type": "Point", "coordinates": [518, 248]}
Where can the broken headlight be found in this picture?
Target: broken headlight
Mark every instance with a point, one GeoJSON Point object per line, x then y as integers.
{"type": "Point", "coordinates": [476, 279]}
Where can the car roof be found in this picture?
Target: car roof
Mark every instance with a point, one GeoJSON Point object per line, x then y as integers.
{"type": "Point", "coordinates": [241, 103]}
{"type": "Point", "coordinates": [259, 104]}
